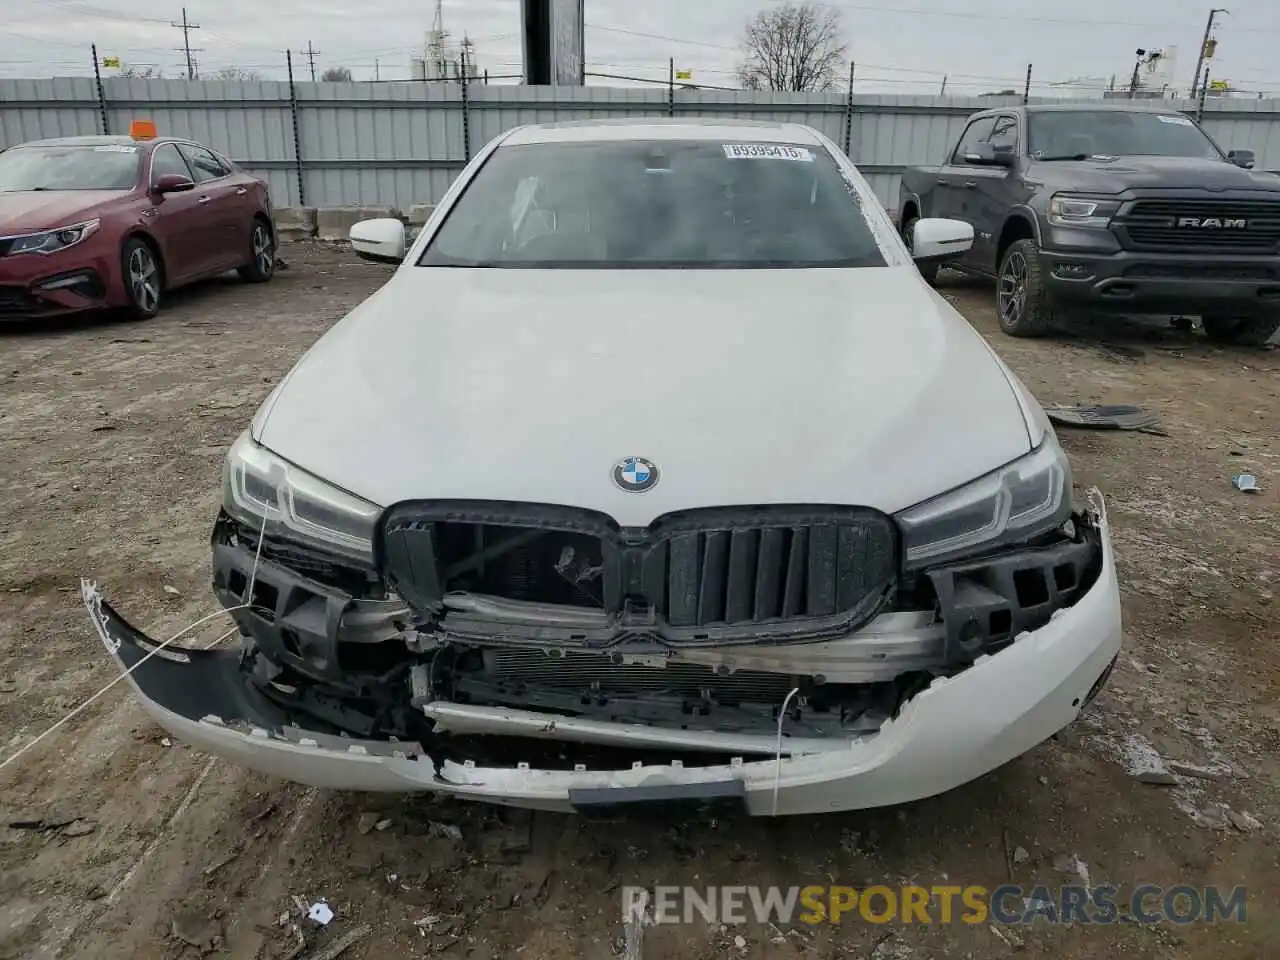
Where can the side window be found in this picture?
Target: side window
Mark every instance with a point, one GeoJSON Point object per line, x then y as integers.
{"type": "Point", "coordinates": [1005, 133]}
{"type": "Point", "coordinates": [976, 132]}
{"type": "Point", "coordinates": [165, 160]}
{"type": "Point", "coordinates": [203, 163]}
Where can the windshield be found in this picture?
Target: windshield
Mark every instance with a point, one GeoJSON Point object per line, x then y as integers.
{"type": "Point", "coordinates": [656, 204]}
{"type": "Point", "coordinates": [102, 167]}
{"type": "Point", "coordinates": [1057, 135]}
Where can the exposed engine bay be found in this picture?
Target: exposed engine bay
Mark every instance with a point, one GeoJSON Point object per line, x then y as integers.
{"type": "Point", "coordinates": [743, 631]}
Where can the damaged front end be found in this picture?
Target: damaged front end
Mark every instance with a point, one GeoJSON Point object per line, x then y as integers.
{"type": "Point", "coordinates": [518, 636]}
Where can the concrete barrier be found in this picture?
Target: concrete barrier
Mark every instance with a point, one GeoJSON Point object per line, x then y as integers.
{"type": "Point", "coordinates": [294, 223]}
{"type": "Point", "coordinates": [335, 223]}
{"type": "Point", "coordinates": [420, 213]}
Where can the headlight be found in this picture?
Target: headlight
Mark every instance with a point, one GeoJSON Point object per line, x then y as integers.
{"type": "Point", "coordinates": [296, 505]}
{"type": "Point", "coordinates": [55, 240]}
{"type": "Point", "coordinates": [1068, 211]}
{"type": "Point", "coordinates": [1029, 496]}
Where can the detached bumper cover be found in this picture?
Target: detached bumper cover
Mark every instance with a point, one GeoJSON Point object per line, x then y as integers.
{"type": "Point", "coordinates": [958, 729]}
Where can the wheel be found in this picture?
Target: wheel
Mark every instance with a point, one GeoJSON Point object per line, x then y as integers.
{"type": "Point", "coordinates": [1021, 302]}
{"type": "Point", "coordinates": [1241, 331]}
{"type": "Point", "coordinates": [262, 250]}
{"type": "Point", "coordinates": [143, 279]}
{"type": "Point", "coordinates": [927, 270]}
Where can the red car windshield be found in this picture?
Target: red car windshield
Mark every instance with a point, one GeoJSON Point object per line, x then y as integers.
{"type": "Point", "coordinates": [112, 166]}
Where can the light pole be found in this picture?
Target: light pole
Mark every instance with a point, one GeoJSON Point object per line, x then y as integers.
{"type": "Point", "coordinates": [1204, 46]}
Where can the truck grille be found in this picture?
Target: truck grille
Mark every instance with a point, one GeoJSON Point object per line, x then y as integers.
{"type": "Point", "coordinates": [1248, 226]}
{"type": "Point", "coordinates": [742, 567]}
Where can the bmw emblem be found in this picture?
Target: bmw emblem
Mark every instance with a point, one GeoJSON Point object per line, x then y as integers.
{"type": "Point", "coordinates": [636, 474]}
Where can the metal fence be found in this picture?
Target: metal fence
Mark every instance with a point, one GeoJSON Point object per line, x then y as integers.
{"type": "Point", "coordinates": [402, 143]}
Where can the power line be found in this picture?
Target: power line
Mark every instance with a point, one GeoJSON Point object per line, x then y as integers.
{"type": "Point", "coordinates": [186, 28]}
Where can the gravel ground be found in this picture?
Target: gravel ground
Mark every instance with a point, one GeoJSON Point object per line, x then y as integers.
{"type": "Point", "coordinates": [111, 439]}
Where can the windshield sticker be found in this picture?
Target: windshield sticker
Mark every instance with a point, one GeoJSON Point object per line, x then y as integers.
{"type": "Point", "coordinates": [115, 148]}
{"type": "Point", "coordinates": [1180, 121]}
{"type": "Point", "coordinates": [766, 151]}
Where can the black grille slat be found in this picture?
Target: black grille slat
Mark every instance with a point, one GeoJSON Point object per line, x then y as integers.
{"type": "Point", "coordinates": [740, 589]}
{"type": "Point", "coordinates": [715, 564]}
{"type": "Point", "coordinates": [1154, 224]}
{"type": "Point", "coordinates": [823, 543]}
{"type": "Point", "coordinates": [769, 573]}
{"type": "Point", "coordinates": [793, 592]}
{"type": "Point", "coordinates": [709, 569]}
{"type": "Point", "coordinates": [682, 580]}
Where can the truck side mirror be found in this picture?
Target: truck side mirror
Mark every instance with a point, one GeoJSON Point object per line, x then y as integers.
{"type": "Point", "coordinates": [1241, 158]}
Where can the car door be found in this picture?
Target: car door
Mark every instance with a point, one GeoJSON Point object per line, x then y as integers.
{"type": "Point", "coordinates": [175, 219]}
{"type": "Point", "coordinates": [990, 201]}
{"type": "Point", "coordinates": [225, 234]}
{"type": "Point", "coordinates": [953, 176]}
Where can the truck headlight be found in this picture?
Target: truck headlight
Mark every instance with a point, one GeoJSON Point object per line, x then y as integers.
{"type": "Point", "coordinates": [1066, 210]}
{"type": "Point", "coordinates": [54, 240]}
{"type": "Point", "coordinates": [259, 486]}
{"type": "Point", "coordinates": [1016, 502]}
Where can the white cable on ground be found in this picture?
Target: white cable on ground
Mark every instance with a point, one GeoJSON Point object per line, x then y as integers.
{"type": "Point", "coordinates": [181, 633]}
{"type": "Point", "coordinates": [777, 760]}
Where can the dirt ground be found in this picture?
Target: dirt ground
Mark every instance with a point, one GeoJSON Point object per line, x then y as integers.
{"type": "Point", "coordinates": [111, 440]}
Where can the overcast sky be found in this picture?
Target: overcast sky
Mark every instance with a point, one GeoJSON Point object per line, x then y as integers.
{"type": "Point", "coordinates": [979, 45]}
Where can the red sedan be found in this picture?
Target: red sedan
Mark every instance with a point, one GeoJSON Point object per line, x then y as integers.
{"type": "Point", "coordinates": [94, 222]}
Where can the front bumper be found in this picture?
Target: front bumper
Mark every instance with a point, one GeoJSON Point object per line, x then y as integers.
{"type": "Point", "coordinates": [957, 729]}
{"type": "Point", "coordinates": [1139, 282]}
{"type": "Point", "coordinates": [36, 286]}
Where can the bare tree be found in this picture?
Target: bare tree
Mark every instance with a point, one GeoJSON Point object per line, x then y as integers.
{"type": "Point", "coordinates": [796, 47]}
{"type": "Point", "coordinates": [336, 75]}
{"type": "Point", "coordinates": [234, 73]}
{"type": "Point", "coordinates": [141, 73]}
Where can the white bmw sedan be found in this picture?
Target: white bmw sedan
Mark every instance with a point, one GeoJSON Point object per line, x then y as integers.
{"type": "Point", "coordinates": [655, 473]}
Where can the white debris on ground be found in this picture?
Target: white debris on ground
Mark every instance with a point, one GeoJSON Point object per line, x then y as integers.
{"type": "Point", "coordinates": [1071, 863]}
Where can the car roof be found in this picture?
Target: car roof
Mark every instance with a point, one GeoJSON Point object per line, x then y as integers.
{"type": "Point", "coordinates": [102, 141]}
{"type": "Point", "coordinates": [1128, 106]}
{"type": "Point", "coordinates": [663, 128]}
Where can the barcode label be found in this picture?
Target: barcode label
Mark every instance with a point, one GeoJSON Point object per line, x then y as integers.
{"type": "Point", "coordinates": [766, 151]}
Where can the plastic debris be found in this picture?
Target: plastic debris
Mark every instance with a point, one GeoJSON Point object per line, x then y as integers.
{"type": "Point", "coordinates": [320, 913]}
{"type": "Point", "coordinates": [1245, 483]}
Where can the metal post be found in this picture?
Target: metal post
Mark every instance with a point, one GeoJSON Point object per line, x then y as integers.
{"type": "Point", "coordinates": [848, 113]}
{"type": "Point", "coordinates": [1204, 45]}
{"type": "Point", "coordinates": [1026, 90]}
{"type": "Point", "coordinates": [102, 96]}
{"type": "Point", "coordinates": [943, 91]}
{"type": "Point", "coordinates": [466, 110]}
{"type": "Point", "coordinates": [297, 140]}
{"type": "Point", "coordinates": [671, 86]}
{"type": "Point", "coordinates": [1204, 91]}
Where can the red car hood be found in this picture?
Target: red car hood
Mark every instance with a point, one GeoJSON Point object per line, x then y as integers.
{"type": "Point", "coordinates": [27, 211]}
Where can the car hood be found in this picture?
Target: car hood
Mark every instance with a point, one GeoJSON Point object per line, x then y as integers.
{"type": "Point", "coordinates": [825, 386]}
{"type": "Point", "coordinates": [1147, 173]}
{"type": "Point", "coordinates": [27, 211]}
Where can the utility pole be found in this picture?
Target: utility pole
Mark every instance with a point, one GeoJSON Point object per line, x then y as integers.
{"type": "Point", "coordinates": [377, 71]}
{"type": "Point", "coordinates": [943, 91]}
{"type": "Point", "coordinates": [1204, 47]}
{"type": "Point", "coordinates": [186, 27]}
{"type": "Point", "coordinates": [311, 56]}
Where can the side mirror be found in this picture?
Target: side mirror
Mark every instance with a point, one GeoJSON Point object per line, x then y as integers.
{"type": "Point", "coordinates": [937, 240]}
{"type": "Point", "coordinates": [1241, 158]}
{"type": "Point", "coordinates": [171, 183]}
{"type": "Point", "coordinates": [992, 155]}
{"type": "Point", "coordinates": [381, 240]}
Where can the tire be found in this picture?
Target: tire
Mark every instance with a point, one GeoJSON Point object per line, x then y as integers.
{"type": "Point", "coordinates": [927, 270]}
{"type": "Point", "coordinates": [143, 277]}
{"type": "Point", "coordinates": [1022, 304]}
{"type": "Point", "coordinates": [262, 254]}
{"type": "Point", "coordinates": [1241, 331]}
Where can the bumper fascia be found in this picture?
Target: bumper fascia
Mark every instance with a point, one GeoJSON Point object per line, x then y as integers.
{"type": "Point", "coordinates": [1130, 281]}
{"type": "Point", "coordinates": [32, 272]}
{"type": "Point", "coordinates": [958, 729]}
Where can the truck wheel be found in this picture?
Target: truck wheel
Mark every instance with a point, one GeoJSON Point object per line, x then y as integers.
{"type": "Point", "coordinates": [927, 270]}
{"type": "Point", "coordinates": [1021, 302]}
{"type": "Point", "coordinates": [1241, 331]}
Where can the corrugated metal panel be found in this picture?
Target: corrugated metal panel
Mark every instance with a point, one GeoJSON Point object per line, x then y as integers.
{"type": "Point", "coordinates": [402, 143]}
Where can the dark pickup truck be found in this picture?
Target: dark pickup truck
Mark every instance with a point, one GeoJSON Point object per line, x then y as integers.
{"type": "Point", "coordinates": [1127, 209]}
